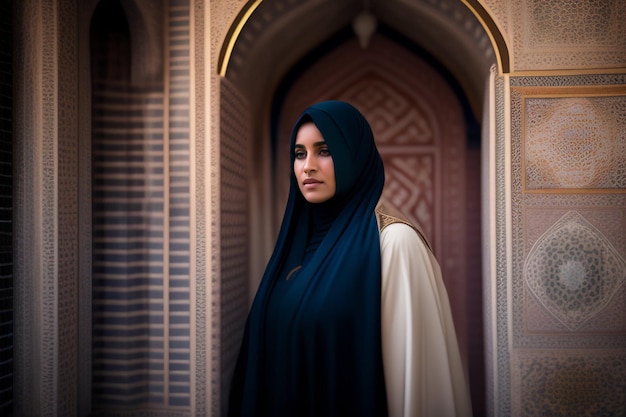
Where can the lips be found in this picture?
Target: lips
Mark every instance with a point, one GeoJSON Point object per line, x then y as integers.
{"type": "Point", "coordinates": [311, 181]}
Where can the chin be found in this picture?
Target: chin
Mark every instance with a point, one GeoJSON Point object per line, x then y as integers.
{"type": "Point", "coordinates": [316, 199]}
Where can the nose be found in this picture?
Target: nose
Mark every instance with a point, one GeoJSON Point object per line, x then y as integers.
{"type": "Point", "coordinates": [310, 163]}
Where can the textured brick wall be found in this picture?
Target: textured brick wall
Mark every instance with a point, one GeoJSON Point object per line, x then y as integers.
{"type": "Point", "coordinates": [6, 179]}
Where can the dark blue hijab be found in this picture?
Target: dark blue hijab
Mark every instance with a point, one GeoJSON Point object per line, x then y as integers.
{"type": "Point", "coordinates": [312, 343]}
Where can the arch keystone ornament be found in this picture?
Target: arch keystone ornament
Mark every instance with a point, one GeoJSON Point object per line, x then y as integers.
{"type": "Point", "coordinates": [573, 270]}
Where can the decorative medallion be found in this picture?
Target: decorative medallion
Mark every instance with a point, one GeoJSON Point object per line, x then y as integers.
{"type": "Point", "coordinates": [572, 143]}
{"type": "Point", "coordinates": [573, 270]}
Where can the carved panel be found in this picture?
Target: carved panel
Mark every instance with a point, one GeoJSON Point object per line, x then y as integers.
{"type": "Point", "coordinates": [407, 134]}
{"type": "Point", "coordinates": [574, 142]}
{"type": "Point", "coordinates": [567, 34]}
{"type": "Point", "coordinates": [574, 271]}
{"type": "Point", "coordinates": [568, 245]}
{"type": "Point", "coordinates": [569, 383]}
{"type": "Point", "coordinates": [408, 184]}
{"type": "Point", "coordinates": [537, 213]}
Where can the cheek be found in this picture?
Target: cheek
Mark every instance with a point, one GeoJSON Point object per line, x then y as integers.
{"type": "Point", "coordinates": [330, 172]}
{"type": "Point", "coordinates": [327, 165]}
{"type": "Point", "coordinates": [297, 166]}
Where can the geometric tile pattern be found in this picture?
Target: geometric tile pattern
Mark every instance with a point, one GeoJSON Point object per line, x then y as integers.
{"type": "Point", "coordinates": [575, 143]}
{"type": "Point", "coordinates": [405, 135]}
{"type": "Point", "coordinates": [552, 35]}
{"type": "Point", "coordinates": [574, 271]}
{"type": "Point", "coordinates": [569, 383]}
{"type": "Point", "coordinates": [409, 185]}
{"type": "Point", "coordinates": [565, 291]}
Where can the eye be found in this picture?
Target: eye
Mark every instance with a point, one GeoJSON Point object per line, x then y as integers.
{"type": "Point", "coordinates": [300, 154]}
{"type": "Point", "coordinates": [324, 152]}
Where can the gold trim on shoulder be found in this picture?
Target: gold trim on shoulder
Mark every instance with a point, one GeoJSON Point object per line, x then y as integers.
{"type": "Point", "coordinates": [386, 215]}
{"type": "Point", "coordinates": [293, 271]}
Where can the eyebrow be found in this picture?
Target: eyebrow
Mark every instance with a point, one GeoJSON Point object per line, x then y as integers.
{"type": "Point", "coordinates": [315, 145]}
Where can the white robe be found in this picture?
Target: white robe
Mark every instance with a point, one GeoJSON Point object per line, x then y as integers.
{"type": "Point", "coordinates": [424, 376]}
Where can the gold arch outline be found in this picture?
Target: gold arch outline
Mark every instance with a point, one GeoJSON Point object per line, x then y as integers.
{"type": "Point", "coordinates": [493, 31]}
{"type": "Point", "coordinates": [233, 35]}
{"type": "Point", "coordinates": [489, 25]}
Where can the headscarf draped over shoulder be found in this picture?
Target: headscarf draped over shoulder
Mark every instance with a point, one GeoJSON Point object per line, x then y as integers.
{"type": "Point", "coordinates": [322, 354]}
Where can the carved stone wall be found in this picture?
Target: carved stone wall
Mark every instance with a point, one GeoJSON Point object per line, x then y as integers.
{"type": "Point", "coordinates": [562, 34]}
{"type": "Point", "coordinates": [568, 196]}
{"type": "Point", "coordinates": [497, 282]}
{"type": "Point", "coordinates": [46, 245]}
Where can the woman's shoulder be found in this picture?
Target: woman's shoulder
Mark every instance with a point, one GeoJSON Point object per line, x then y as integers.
{"type": "Point", "coordinates": [387, 215]}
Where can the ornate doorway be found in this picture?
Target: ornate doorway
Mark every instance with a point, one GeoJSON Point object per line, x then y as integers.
{"type": "Point", "coordinates": [432, 176]}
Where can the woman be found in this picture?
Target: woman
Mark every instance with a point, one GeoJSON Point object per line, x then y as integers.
{"type": "Point", "coordinates": [351, 317]}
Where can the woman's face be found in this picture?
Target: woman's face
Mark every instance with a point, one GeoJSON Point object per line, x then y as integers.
{"type": "Point", "coordinates": [313, 165]}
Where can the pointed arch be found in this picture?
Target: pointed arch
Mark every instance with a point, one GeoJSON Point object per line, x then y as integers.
{"type": "Point", "coordinates": [498, 41]}
{"type": "Point", "coordinates": [489, 24]}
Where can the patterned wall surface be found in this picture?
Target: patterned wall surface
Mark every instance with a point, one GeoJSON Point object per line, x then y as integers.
{"type": "Point", "coordinates": [67, 257]}
{"type": "Point", "coordinates": [574, 143]}
{"type": "Point", "coordinates": [202, 236]}
{"type": "Point", "coordinates": [129, 328]}
{"type": "Point", "coordinates": [497, 284]}
{"type": "Point", "coordinates": [575, 273]}
{"type": "Point", "coordinates": [234, 218]}
{"type": "Point", "coordinates": [569, 383]}
{"type": "Point", "coordinates": [6, 210]}
{"type": "Point", "coordinates": [562, 34]}
{"type": "Point", "coordinates": [569, 245]}
{"type": "Point", "coordinates": [179, 194]}
{"type": "Point", "coordinates": [45, 291]}
{"type": "Point", "coordinates": [141, 236]}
